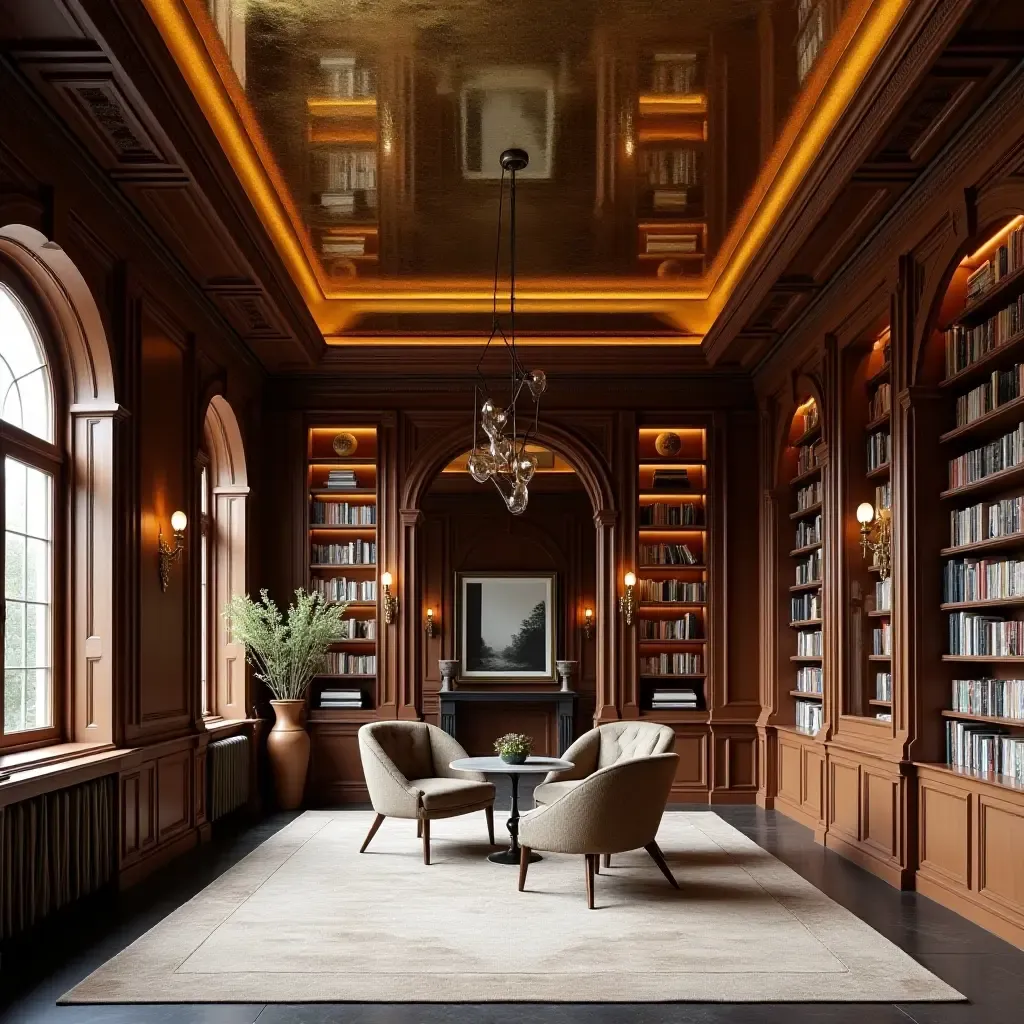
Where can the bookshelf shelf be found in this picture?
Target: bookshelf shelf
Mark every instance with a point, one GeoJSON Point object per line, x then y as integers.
{"type": "Point", "coordinates": [1004, 543]}
{"type": "Point", "coordinates": [806, 657]}
{"type": "Point", "coordinates": [804, 695]}
{"type": "Point", "coordinates": [1003, 480]}
{"type": "Point", "coordinates": [879, 657]}
{"type": "Point", "coordinates": [805, 550]}
{"type": "Point", "coordinates": [875, 703]}
{"type": "Point", "coordinates": [804, 623]}
{"type": "Point", "coordinates": [810, 434]}
{"type": "Point", "coordinates": [688, 461]}
{"type": "Point", "coordinates": [355, 540]}
{"type": "Point", "coordinates": [994, 359]}
{"type": "Point", "coordinates": [809, 511]}
{"type": "Point", "coordinates": [996, 659]}
{"type": "Point", "coordinates": [997, 781]}
{"type": "Point", "coordinates": [993, 299]}
{"type": "Point", "coordinates": [880, 375]}
{"type": "Point", "coordinates": [1006, 416]}
{"type": "Point", "coordinates": [880, 613]}
{"type": "Point", "coordinates": [877, 423]}
{"type": "Point", "coordinates": [995, 602]}
{"type": "Point", "coordinates": [1012, 723]}
{"type": "Point", "coordinates": [798, 587]}
{"type": "Point", "coordinates": [805, 476]}
{"type": "Point", "coordinates": [879, 472]}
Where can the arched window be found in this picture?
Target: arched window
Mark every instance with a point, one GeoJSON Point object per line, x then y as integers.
{"type": "Point", "coordinates": [31, 482]}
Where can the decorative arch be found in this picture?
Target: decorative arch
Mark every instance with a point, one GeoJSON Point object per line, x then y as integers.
{"type": "Point", "coordinates": [810, 384]}
{"type": "Point", "coordinates": [93, 561]}
{"type": "Point", "coordinates": [596, 481]}
{"type": "Point", "coordinates": [225, 531]}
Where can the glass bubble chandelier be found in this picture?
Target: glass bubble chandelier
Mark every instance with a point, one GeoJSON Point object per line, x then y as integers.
{"type": "Point", "coordinates": [501, 456]}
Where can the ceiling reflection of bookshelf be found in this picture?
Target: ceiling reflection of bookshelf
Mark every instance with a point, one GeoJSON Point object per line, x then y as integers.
{"type": "Point", "coordinates": [343, 130]}
{"type": "Point", "coordinates": [670, 140]}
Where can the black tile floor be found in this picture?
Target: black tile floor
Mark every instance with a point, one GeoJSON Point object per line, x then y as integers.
{"type": "Point", "coordinates": [34, 974]}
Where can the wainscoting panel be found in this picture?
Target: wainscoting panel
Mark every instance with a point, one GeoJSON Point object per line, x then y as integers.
{"type": "Point", "coordinates": [335, 771]}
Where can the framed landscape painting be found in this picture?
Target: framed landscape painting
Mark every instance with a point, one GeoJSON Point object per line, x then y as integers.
{"type": "Point", "coordinates": [506, 625]}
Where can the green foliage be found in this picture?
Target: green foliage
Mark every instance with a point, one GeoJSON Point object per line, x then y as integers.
{"type": "Point", "coordinates": [285, 651]}
{"type": "Point", "coordinates": [513, 744]}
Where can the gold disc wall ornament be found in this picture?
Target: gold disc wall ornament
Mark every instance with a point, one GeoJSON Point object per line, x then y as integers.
{"type": "Point", "coordinates": [668, 444]}
{"type": "Point", "coordinates": [345, 444]}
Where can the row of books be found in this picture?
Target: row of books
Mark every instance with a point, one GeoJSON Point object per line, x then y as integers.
{"type": "Point", "coordinates": [806, 458]}
{"type": "Point", "coordinates": [879, 449]}
{"type": "Point", "coordinates": [672, 665]}
{"type": "Point", "coordinates": [337, 588]}
{"type": "Point", "coordinates": [676, 73]}
{"type": "Point", "coordinates": [667, 554]}
{"type": "Point", "coordinates": [883, 686]}
{"type": "Point", "coordinates": [671, 590]}
{"type": "Point", "coordinates": [810, 679]}
{"type": "Point", "coordinates": [884, 716]}
{"type": "Point", "coordinates": [808, 532]}
{"type": "Point", "coordinates": [672, 480]}
{"type": "Point", "coordinates": [1003, 453]}
{"type": "Point", "coordinates": [808, 643]}
{"type": "Point", "coordinates": [341, 663]}
{"type": "Point", "coordinates": [349, 169]}
{"type": "Point", "coordinates": [679, 200]}
{"type": "Point", "coordinates": [809, 716]}
{"type": "Point", "coordinates": [972, 634]}
{"type": "Point", "coordinates": [358, 629]}
{"type": "Point", "coordinates": [966, 345]}
{"type": "Point", "coordinates": [675, 243]}
{"type": "Point", "coordinates": [809, 570]}
{"type": "Point", "coordinates": [671, 166]}
{"type": "Point", "coordinates": [809, 496]}
{"type": "Point", "coordinates": [355, 552]}
{"type": "Point", "coordinates": [674, 700]}
{"type": "Point", "coordinates": [881, 402]}
{"type": "Point", "coordinates": [344, 78]}
{"type": "Point", "coordinates": [883, 495]}
{"type": "Point", "coordinates": [982, 579]}
{"type": "Point", "coordinates": [809, 417]}
{"type": "Point", "coordinates": [659, 513]}
{"type": "Point", "coordinates": [881, 639]}
{"type": "Point", "coordinates": [983, 521]}
{"type": "Point", "coordinates": [883, 595]}
{"type": "Point", "coordinates": [1002, 386]}
{"type": "Point", "coordinates": [342, 513]}
{"type": "Point", "coordinates": [341, 480]}
{"type": "Point", "coordinates": [341, 698]}
{"type": "Point", "coordinates": [689, 627]}
{"type": "Point", "coordinates": [805, 606]}
{"type": "Point", "coordinates": [999, 698]}
{"type": "Point", "coordinates": [1007, 259]}
{"type": "Point", "coordinates": [985, 748]}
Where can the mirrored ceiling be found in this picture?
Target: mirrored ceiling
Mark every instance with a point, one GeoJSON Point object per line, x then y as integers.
{"type": "Point", "coordinates": [646, 123]}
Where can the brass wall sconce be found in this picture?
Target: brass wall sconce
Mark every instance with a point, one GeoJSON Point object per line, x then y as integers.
{"type": "Point", "coordinates": [627, 602]}
{"type": "Point", "coordinates": [389, 603]}
{"type": "Point", "coordinates": [881, 547]}
{"type": "Point", "coordinates": [588, 623]}
{"type": "Point", "coordinates": [429, 626]}
{"type": "Point", "coordinates": [166, 555]}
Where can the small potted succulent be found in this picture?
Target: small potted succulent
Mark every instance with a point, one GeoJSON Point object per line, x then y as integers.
{"type": "Point", "coordinates": [513, 747]}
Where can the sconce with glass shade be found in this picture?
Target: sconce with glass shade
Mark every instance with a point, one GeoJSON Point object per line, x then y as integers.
{"type": "Point", "coordinates": [389, 603]}
{"type": "Point", "coordinates": [588, 623]}
{"type": "Point", "coordinates": [429, 626]}
{"type": "Point", "coordinates": [166, 555]}
{"type": "Point", "coordinates": [627, 602]}
{"type": "Point", "coordinates": [881, 547]}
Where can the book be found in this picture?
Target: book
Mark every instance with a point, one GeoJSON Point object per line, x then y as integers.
{"type": "Point", "coordinates": [671, 480]}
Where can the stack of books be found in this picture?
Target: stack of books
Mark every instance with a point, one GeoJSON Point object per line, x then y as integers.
{"type": "Point", "coordinates": [674, 700]}
{"type": "Point", "coordinates": [671, 480]}
{"type": "Point", "coordinates": [341, 480]}
{"type": "Point", "coordinates": [343, 245]}
{"type": "Point", "coordinates": [341, 698]}
{"type": "Point", "coordinates": [678, 244]}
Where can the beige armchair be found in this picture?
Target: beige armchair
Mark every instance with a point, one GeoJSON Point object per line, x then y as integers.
{"type": "Point", "coordinates": [617, 808]}
{"type": "Point", "coordinates": [407, 775]}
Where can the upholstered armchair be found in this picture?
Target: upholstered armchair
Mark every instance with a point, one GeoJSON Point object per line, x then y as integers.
{"type": "Point", "coordinates": [612, 810]}
{"type": "Point", "coordinates": [407, 775]}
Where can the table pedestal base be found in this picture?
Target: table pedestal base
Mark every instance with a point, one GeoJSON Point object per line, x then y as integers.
{"type": "Point", "coordinates": [511, 857]}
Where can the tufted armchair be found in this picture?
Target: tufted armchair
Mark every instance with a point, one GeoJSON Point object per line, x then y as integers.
{"type": "Point", "coordinates": [407, 775]}
{"type": "Point", "coordinates": [615, 809]}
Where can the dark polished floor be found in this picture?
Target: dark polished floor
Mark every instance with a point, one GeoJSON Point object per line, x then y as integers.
{"type": "Point", "coordinates": [989, 972]}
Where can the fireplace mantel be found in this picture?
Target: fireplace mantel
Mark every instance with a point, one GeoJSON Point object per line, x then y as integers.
{"type": "Point", "coordinates": [564, 701]}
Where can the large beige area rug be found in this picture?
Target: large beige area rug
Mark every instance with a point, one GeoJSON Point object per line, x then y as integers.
{"type": "Point", "coordinates": [306, 918]}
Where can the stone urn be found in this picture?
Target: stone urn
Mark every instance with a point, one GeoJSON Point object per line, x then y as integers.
{"type": "Point", "coordinates": [449, 669]}
{"type": "Point", "coordinates": [566, 670]}
{"type": "Point", "coordinates": [288, 750]}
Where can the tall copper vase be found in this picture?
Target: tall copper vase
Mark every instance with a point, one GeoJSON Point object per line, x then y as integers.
{"type": "Point", "coordinates": [288, 750]}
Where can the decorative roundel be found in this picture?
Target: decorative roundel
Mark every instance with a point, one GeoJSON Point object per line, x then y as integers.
{"type": "Point", "coordinates": [345, 444]}
{"type": "Point", "coordinates": [668, 444]}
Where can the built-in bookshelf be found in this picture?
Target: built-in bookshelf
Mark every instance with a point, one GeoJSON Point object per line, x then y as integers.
{"type": "Point", "coordinates": [806, 617]}
{"type": "Point", "coordinates": [668, 137]}
{"type": "Point", "coordinates": [341, 468]}
{"type": "Point", "coordinates": [983, 565]}
{"type": "Point", "coordinates": [343, 128]}
{"type": "Point", "coordinates": [672, 571]}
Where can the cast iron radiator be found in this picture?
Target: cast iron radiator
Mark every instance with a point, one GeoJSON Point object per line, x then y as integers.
{"type": "Point", "coordinates": [54, 849]}
{"type": "Point", "coordinates": [227, 765]}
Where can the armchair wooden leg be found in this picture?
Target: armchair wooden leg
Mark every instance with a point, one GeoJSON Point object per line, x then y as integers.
{"type": "Point", "coordinates": [607, 860]}
{"type": "Point", "coordinates": [597, 863]}
{"type": "Point", "coordinates": [659, 858]}
{"type": "Point", "coordinates": [588, 861]}
{"type": "Point", "coordinates": [426, 840]}
{"type": "Point", "coordinates": [524, 865]}
{"type": "Point", "coordinates": [419, 828]}
{"type": "Point", "coordinates": [377, 822]}
{"type": "Point", "coordinates": [489, 811]}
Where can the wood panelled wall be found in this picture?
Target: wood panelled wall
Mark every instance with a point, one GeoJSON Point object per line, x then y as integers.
{"type": "Point", "coordinates": [171, 351]}
{"type": "Point", "coordinates": [866, 787]}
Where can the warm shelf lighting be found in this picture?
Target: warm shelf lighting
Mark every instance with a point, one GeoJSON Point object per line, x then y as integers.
{"type": "Point", "coordinates": [351, 106]}
{"type": "Point", "coordinates": [627, 602]}
{"type": "Point", "coordinates": [986, 248]}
